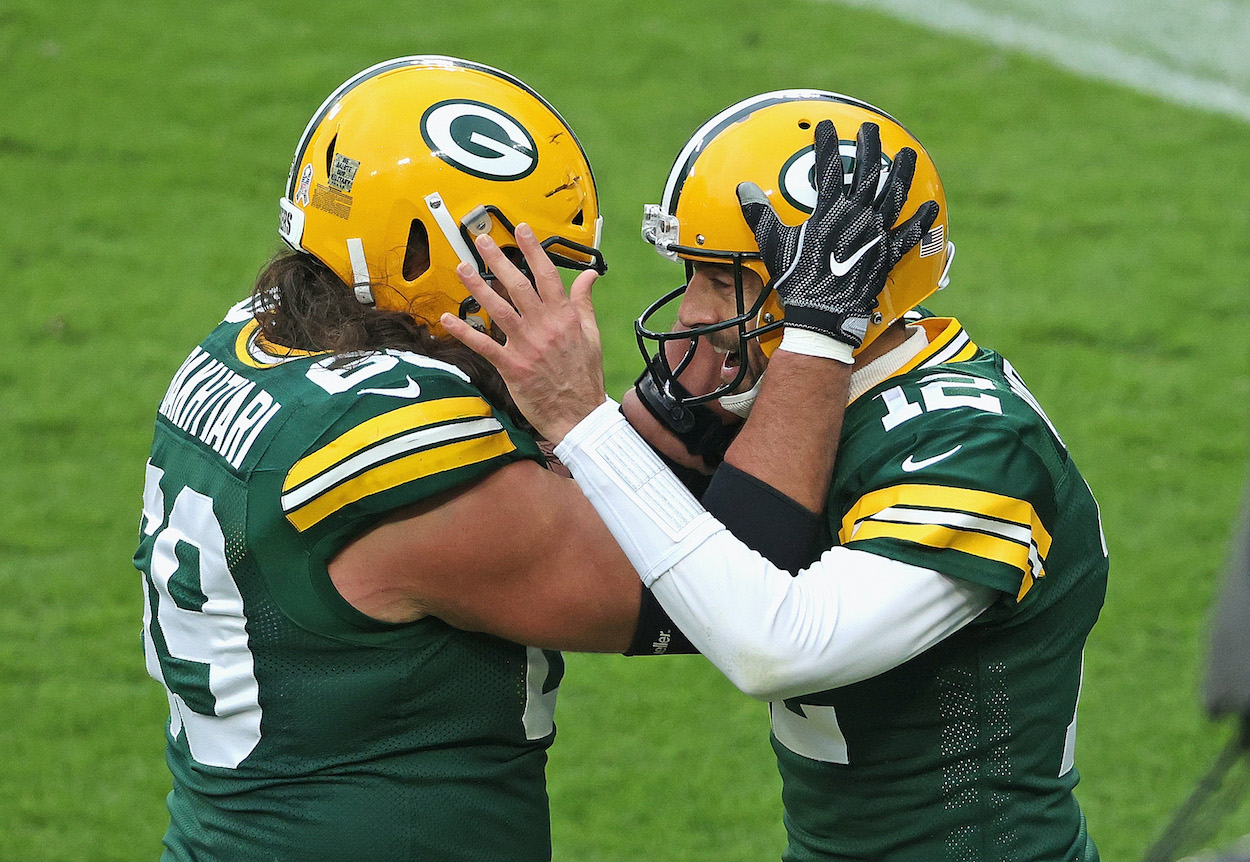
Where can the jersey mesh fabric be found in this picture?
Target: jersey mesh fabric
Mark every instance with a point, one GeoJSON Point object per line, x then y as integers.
{"type": "Point", "coordinates": [380, 742]}
{"type": "Point", "coordinates": [960, 754]}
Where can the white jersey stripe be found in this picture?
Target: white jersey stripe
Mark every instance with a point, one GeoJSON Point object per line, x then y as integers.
{"type": "Point", "coordinates": [366, 459]}
{"type": "Point", "coordinates": [1011, 531]}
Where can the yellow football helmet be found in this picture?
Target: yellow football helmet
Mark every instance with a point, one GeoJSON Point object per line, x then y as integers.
{"type": "Point", "coordinates": [409, 160]}
{"type": "Point", "coordinates": [769, 140]}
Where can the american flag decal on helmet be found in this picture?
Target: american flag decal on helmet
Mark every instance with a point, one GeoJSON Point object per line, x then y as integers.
{"type": "Point", "coordinates": [933, 241]}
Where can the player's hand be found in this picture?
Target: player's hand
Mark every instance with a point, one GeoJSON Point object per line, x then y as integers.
{"type": "Point", "coordinates": [552, 359]}
{"type": "Point", "coordinates": [829, 270]}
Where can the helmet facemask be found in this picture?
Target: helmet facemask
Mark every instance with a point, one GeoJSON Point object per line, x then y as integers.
{"type": "Point", "coordinates": [757, 319]}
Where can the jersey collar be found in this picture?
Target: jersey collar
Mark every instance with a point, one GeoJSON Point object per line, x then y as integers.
{"type": "Point", "coordinates": [252, 348]}
{"type": "Point", "coordinates": [946, 342]}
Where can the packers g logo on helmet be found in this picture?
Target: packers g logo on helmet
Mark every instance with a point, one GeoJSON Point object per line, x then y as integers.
{"type": "Point", "coordinates": [797, 181]}
{"type": "Point", "coordinates": [479, 140]}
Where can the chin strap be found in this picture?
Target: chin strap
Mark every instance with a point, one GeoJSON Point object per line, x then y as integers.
{"type": "Point", "coordinates": [701, 431]}
{"type": "Point", "coordinates": [741, 403]}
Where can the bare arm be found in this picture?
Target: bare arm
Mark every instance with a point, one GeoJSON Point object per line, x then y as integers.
{"type": "Point", "coordinates": [791, 439]}
{"type": "Point", "coordinates": [520, 554]}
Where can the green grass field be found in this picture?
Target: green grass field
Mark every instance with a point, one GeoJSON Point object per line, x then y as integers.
{"type": "Point", "coordinates": [1104, 245]}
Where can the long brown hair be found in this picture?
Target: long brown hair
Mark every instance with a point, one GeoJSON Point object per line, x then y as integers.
{"type": "Point", "coordinates": [300, 303]}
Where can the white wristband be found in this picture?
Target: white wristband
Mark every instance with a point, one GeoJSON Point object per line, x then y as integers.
{"type": "Point", "coordinates": [809, 343]}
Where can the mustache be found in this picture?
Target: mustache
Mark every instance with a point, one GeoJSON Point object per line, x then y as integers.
{"type": "Point", "coordinates": [725, 340]}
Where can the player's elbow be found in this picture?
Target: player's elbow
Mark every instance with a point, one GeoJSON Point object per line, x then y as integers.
{"type": "Point", "coordinates": [767, 672]}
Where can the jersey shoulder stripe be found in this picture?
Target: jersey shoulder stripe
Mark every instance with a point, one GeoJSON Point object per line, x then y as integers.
{"type": "Point", "coordinates": [366, 433]}
{"type": "Point", "coordinates": [412, 442]}
{"type": "Point", "coordinates": [994, 527]}
{"type": "Point", "coordinates": [425, 415]}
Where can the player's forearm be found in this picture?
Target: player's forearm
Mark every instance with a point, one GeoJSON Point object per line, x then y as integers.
{"type": "Point", "coordinates": [849, 616]}
{"type": "Point", "coordinates": [791, 438]}
{"type": "Point", "coordinates": [661, 439]}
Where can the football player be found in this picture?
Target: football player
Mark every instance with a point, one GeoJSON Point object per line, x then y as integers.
{"type": "Point", "coordinates": [923, 671]}
{"type": "Point", "coordinates": [334, 484]}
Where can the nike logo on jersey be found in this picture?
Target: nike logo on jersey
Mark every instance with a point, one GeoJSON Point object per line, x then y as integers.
{"type": "Point", "coordinates": [910, 465]}
{"type": "Point", "coordinates": [411, 390]}
{"type": "Point", "coordinates": [840, 268]}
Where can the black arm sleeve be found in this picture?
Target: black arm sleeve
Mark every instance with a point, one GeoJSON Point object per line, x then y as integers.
{"type": "Point", "coordinates": [656, 634]}
{"type": "Point", "coordinates": [764, 519]}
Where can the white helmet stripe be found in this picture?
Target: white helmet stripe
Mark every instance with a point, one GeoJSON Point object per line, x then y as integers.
{"type": "Point", "coordinates": [447, 224]}
{"type": "Point", "coordinates": [362, 283]}
{"type": "Point", "coordinates": [735, 112]}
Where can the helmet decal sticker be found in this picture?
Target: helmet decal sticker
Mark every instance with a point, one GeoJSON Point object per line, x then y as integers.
{"type": "Point", "coordinates": [343, 172]}
{"type": "Point", "coordinates": [332, 201]}
{"type": "Point", "coordinates": [305, 182]}
{"type": "Point", "coordinates": [796, 180]}
{"type": "Point", "coordinates": [933, 241]}
{"type": "Point", "coordinates": [479, 139]}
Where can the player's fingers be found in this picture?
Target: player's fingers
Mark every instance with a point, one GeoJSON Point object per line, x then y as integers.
{"type": "Point", "coordinates": [509, 276]}
{"type": "Point", "coordinates": [829, 175]}
{"type": "Point", "coordinates": [547, 282]}
{"type": "Point", "coordinates": [867, 164]}
{"type": "Point", "coordinates": [928, 214]}
{"type": "Point", "coordinates": [761, 218]}
{"type": "Point", "coordinates": [581, 296]}
{"type": "Point", "coordinates": [582, 288]}
{"type": "Point", "coordinates": [906, 236]}
{"type": "Point", "coordinates": [892, 196]}
{"type": "Point", "coordinates": [492, 303]}
{"type": "Point", "coordinates": [477, 341]}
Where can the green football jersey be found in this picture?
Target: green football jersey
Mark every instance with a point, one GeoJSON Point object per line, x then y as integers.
{"type": "Point", "coordinates": [300, 728]}
{"type": "Point", "coordinates": [965, 752]}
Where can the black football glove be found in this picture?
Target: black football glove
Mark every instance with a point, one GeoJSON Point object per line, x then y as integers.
{"type": "Point", "coordinates": [829, 270]}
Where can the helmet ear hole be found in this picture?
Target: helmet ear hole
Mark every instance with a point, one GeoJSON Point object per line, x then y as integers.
{"type": "Point", "coordinates": [417, 253]}
{"type": "Point", "coordinates": [330, 155]}
{"type": "Point", "coordinates": [580, 218]}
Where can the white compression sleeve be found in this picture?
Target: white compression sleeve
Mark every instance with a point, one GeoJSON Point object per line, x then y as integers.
{"type": "Point", "coordinates": [849, 616]}
{"type": "Point", "coordinates": [655, 520]}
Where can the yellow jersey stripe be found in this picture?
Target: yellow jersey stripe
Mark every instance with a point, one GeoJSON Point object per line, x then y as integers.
{"type": "Point", "coordinates": [969, 351]}
{"type": "Point", "coordinates": [983, 504]}
{"type": "Point", "coordinates": [379, 428]}
{"type": "Point", "coordinates": [366, 459]}
{"type": "Point", "coordinates": [941, 537]}
{"type": "Point", "coordinates": [395, 473]}
{"type": "Point", "coordinates": [1025, 585]}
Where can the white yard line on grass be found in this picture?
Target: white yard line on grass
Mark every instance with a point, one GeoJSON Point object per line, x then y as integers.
{"type": "Point", "coordinates": [1194, 52]}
